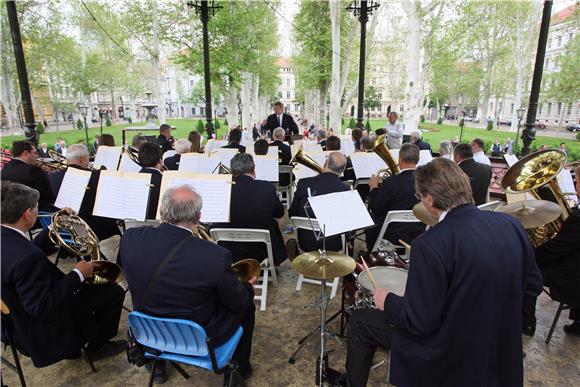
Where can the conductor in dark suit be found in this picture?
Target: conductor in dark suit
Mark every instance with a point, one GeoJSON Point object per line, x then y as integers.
{"type": "Point", "coordinates": [396, 192]}
{"type": "Point", "coordinates": [284, 154]}
{"type": "Point", "coordinates": [23, 169]}
{"type": "Point", "coordinates": [459, 320]}
{"type": "Point", "coordinates": [52, 314]}
{"type": "Point", "coordinates": [479, 174]}
{"type": "Point", "coordinates": [197, 283]}
{"type": "Point", "coordinates": [150, 158]}
{"type": "Point", "coordinates": [255, 205]}
{"type": "Point", "coordinates": [281, 120]}
{"type": "Point", "coordinates": [327, 182]}
{"type": "Point", "coordinates": [234, 139]}
{"type": "Point", "coordinates": [164, 140]}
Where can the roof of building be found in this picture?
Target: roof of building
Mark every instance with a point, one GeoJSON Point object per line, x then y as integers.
{"type": "Point", "coordinates": [563, 14]}
{"type": "Point", "coordinates": [284, 62]}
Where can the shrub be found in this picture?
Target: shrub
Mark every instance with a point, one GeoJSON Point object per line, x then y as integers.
{"type": "Point", "coordinates": [130, 120]}
{"type": "Point", "coordinates": [217, 124]}
{"type": "Point", "coordinates": [108, 123]}
{"type": "Point", "coordinates": [226, 122]}
{"type": "Point", "coordinates": [489, 125]}
{"type": "Point", "coordinates": [40, 128]}
{"type": "Point", "coordinates": [422, 118]}
{"type": "Point", "coordinates": [342, 121]}
{"type": "Point", "coordinates": [200, 127]}
{"type": "Point", "coordinates": [439, 121]}
{"type": "Point", "coordinates": [79, 124]}
{"type": "Point", "coordinates": [368, 126]}
{"type": "Point", "coordinates": [352, 123]}
{"type": "Point", "coordinates": [578, 136]}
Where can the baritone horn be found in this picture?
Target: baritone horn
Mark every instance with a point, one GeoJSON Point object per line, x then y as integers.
{"type": "Point", "coordinates": [302, 158]}
{"type": "Point", "coordinates": [380, 148]}
{"type": "Point", "coordinates": [246, 269]}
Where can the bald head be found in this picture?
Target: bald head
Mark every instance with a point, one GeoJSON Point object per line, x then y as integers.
{"type": "Point", "coordinates": [335, 163]}
{"type": "Point", "coordinates": [181, 206]}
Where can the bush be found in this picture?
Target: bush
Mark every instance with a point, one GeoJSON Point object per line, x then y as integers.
{"type": "Point", "coordinates": [79, 124]}
{"type": "Point", "coordinates": [422, 118]}
{"type": "Point", "coordinates": [439, 121]}
{"type": "Point", "coordinates": [40, 128]}
{"type": "Point", "coordinates": [489, 125]}
{"type": "Point", "coordinates": [226, 124]}
{"type": "Point", "coordinates": [130, 120]}
{"type": "Point", "coordinates": [217, 124]}
{"type": "Point", "coordinates": [368, 126]}
{"type": "Point", "coordinates": [352, 123]}
{"type": "Point", "coordinates": [578, 136]}
{"type": "Point", "coordinates": [200, 126]}
{"type": "Point", "coordinates": [342, 121]}
{"type": "Point", "coordinates": [108, 123]}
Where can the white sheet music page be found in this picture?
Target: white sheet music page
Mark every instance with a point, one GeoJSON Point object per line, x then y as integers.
{"type": "Point", "coordinates": [302, 172]}
{"type": "Point", "coordinates": [566, 184]}
{"type": "Point", "coordinates": [273, 151]}
{"type": "Point", "coordinates": [424, 157]}
{"type": "Point", "coordinates": [122, 195]}
{"type": "Point", "coordinates": [136, 195]}
{"type": "Point", "coordinates": [353, 214]}
{"type": "Point", "coordinates": [346, 146]}
{"type": "Point", "coordinates": [198, 162]}
{"type": "Point", "coordinates": [266, 168]}
{"type": "Point", "coordinates": [225, 155]}
{"type": "Point", "coordinates": [108, 156]}
{"type": "Point", "coordinates": [73, 189]}
{"type": "Point", "coordinates": [510, 159]}
{"type": "Point", "coordinates": [366, 164]}
{"type": "Point", "coordinates": [128, 165]}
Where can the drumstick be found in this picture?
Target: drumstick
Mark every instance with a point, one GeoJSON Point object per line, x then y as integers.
{"type": "Point", "coordinates": [370, 274]}
{"type": "Point", "coordinates": [405, 244]}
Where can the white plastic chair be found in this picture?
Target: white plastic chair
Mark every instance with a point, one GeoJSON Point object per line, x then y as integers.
{"type": "Point", "coordinates": [491, 206]}
{"type": "Point", "coordinates": [285, 193]}
{"type": "Point", "coordinates": [247, 235]}
{"type": "Point", "coordinates": [129, 223]}
{"type": "Point", "coordinates": [304, 224]}
{"type": "Point", "coordinates": [399, 216]}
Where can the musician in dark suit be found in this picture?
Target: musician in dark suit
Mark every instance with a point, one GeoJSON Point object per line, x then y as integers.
{"type": "Point", "coordinates": [234, 139]}
{"type": "Point", "coordinates": [197, 283]}
{"type": "Point", "coordinates": [479, 174]}
{"type": "Point", "coordinates": [150, 158]}
{"type": "Point", "coordinates": [396, 192]}
{"type": "Point", "coordinates": [181, 146]}
{"type": "Point", "coordinates": [23, 169]}
{"type": "Point", "coordinates": [459, 321]}
{"type": "Point", "coordinates": [164, 140]}
{"type": "Point", "coordinates": [52, 315]}
{"type": "Point", "coordinates": [333, 143]}
{"type": "Point", "coordinates": [417, 139]}
{"type": "Point", "coordinates": [327, 182]}
{"type": "Point", "coordinates": [43, 151]}
{"type": "Point", "coordinates": [284, 154]}
{"type": "Point", "coordinates": [136, 143]}
{"type": "Point", "coordinates": [559, 261]}
{"type": "Point", "coordinates": [281, 120]}
{"type": "Point", "coordinates": [321, 136]}
{"type": "Point", "coordinates": [254, 204]}
{"type": "Point", "coordinates": [78, 157]}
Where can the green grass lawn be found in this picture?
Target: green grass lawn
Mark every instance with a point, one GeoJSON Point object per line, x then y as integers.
{"type": "Point", "coordinates": [434, 135]}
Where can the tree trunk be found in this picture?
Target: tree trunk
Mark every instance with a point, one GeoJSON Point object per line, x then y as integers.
{"type": "Point", "coordinates": [335, 111]}
{"type": "Point", "coordinates": [257, 114]}
{"type": "Point", "coordinates": [159, 90]}
{"type": "Point", "coordinates": [245, 98]}
{"type": "Point", "coordinates": [115, 112]}
{"type": "Point", "coordinates": [413, 87]}
{"type": "Point", "coordinates": [322, 104]}
{"type": "Point", "coordinates": [8, 97]}
{"type": "Point", "coordinates": [231, 102]}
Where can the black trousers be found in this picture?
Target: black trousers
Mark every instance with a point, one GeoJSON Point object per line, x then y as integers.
{"type": "Point", "coordinates": [97, 311]}
{"type": "Point", "coordinates": [367, 330]}
{"type": "Point", "coordinates": [244, 348]}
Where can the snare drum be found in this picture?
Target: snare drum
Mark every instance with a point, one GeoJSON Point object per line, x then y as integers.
{"type": "Point", "coordinates": [392, 278]}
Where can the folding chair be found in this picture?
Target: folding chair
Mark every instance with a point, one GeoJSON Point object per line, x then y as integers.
{"type": "Point", "coordinates": [16, 367]}
{"type": "Point", "coordinates": [285, 192]}
{"type": "Point", "coordinates": [490, 206]}
{"type": "Point", "coordinates": [398, 216]}
{"type": "Point", "coordinates": [304, 224]}
{"type": "Point", "coordinates": [129, 223]}
{"type": "Point", "coordinates": [561, 306]}
{"type": "Point", "coordinates": [247, 235]}
{"type": "Point", "coordinates": [183, 341]}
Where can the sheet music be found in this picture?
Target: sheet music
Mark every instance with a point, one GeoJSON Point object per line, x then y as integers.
{"type": "Point", "coordinates": [215, 144]}
{"type": "Point", "coordinates": [107, 156]}
{"type": "Point", "coordinates": [225, 155]}
{"type": "Point", "coordinates": [353, 214]}
{"type": "Point", "coordinates": [198, 162]}
{"type": "Point", "coordinates": [122, 195]}
{"type": "Point", "coordinates": [273, 151]}
{"type": "Point", "coordinates": [366, 164]}
{"type": "Point", "coordinates": [566, 184]}
{"type": "Point", "coordinates": [294, 149]}
{"type": "Point", "coordinates": [346, 146]}
{"type": "Point", "coordinates": [424, 157]}
{"type": "Point", "coordinates": [302, 172]}
{"type": "Point", "coordinates": [309, 146]}
{"type": "Point", "coordinates": [215, 191]}
{"type": "Point", "coordinates": [73, 189]}
{"type": "Point", "coordinates": [128, 165]}
{"type": "Point", "coordinates": [510, 159]}
{"type": "Point", "coordinates": [266, 168]}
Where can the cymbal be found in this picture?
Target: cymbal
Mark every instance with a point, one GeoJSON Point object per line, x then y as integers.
{"type": "Point", "coordinates": [335, 265]}
{"type": "Point", "coordinates": [421, 213]}
{"type": "Point", "coordinates": [533, 213]}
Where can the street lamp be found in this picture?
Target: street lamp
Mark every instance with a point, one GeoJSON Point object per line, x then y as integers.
{"type": "Point", "coordinates": [520, 114]}
{"type": "Point", "coordinates": [84, 109]}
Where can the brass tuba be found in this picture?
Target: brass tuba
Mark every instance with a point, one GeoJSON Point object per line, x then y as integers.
{"type": "Point", "coordinates": [536, 174]}
{"type": "Point", "coordinates": [82, 242]}
{"type": "Point", "coordinates": [201, 233]}
{"type": "Point", "coordinates": [302, 158]}
{"type": "Point", "coordinates": [380, 148]}
{"type": "Point", "coordinates": [246, 269]}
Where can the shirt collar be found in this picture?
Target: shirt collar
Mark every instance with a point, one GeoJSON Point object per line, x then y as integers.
{"type": "Point", "coordinates": [442, 216]}
{"type": "Point", "coordinates": [185, 228]}
{"type": "Point", "coordinates": [407, 169]}
{"type": "Point", "coordinates": [18, 231]}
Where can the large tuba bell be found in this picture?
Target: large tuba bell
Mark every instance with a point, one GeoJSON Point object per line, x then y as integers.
{"type": "Point", "coordinates": [246, 269]}
{"type": "Point", "coordinates": [302, 158]}
{"type": "Point", "coordinates": [536, 174]}
{"type": "Point", "coordinates": [82, 241]}
{"type": "Point", "coordinates": [380, 148]}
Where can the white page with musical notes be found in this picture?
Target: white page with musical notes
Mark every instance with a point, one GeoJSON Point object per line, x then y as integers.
{"type": "Point", "coordinates": [123, 195]}
{"type": "Point", "coordinates": [346, 146]}
{"type": "Point", "coordinates": [128, 165]}
{"type": "Point", "coordinates": [303, 172]}
{"type": "Point", "coordinates": [198, 162]}
{"type": "Point", "coordinates": [107, 156]}
{"type": "Point", "coordinates": [224, 155]}
{"type": "Point", "coordinates": [353, 214]}
{"type": "Point", "coordinates": [266, 168]}
{"type": "Point", "coordinates": [73, 188]}
{"type": "Point", "coordinates": [424, 157]}
{"type": "Point", "coordinates": [366, 164]}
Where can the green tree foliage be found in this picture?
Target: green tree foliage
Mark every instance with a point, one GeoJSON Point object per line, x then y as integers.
{"type": "Point", "coordinates": [372, 100]}
{"type": "Point", "coordinates": [217, 124]}
{"type": "Point", "coordinates": [352, 123]}
{"type": "Point", "coordinates": [40, 128]}
{"type": "Point", "coordinates": [564, 83]}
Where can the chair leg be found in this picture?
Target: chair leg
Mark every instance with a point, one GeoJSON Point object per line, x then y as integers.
{"type": "Point", "coordinates": [264, 295]}
{"type": "Point", "coordinates": [556, 318]}
{"type": "Point", "coordinates": [299, 282]}
{"type": "Point", "coordinates": [17, 364]}
{"type": "Point", "coordinates": [89, 359]}
{"type": "Point", "coordinates": [180, 370]}
{"type": "Point", "coordinates": [152, 375]}
{"type": "Point", "coordinates": [334, 287]}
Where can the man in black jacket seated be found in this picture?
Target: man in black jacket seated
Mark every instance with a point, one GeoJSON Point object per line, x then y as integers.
{"type": "Point", "coordinates": [23, 169]}
{"type": "Point", "coordinates": [197, 283]}
{"type": "Point", "coordinates": [254, 204]}
{"type": "Point", "coordinates": [281, 120]}
{"type": "Point", "coordinates": [417, 139]}
{"type": "Point", "coordinates": [78, 157]}
{"type": "Point", "coordinates": [327, 182]}
{"type": "Point", "coordinates": [181, 146]}
{"type": "Point", "coordinates": [164, 140]}
{"type": "Point", "coordinates": [151, 160]}
{"type": "Point", "coordinates": [234, 138]}
{"type": "Point", "coordinates": [284, 154]}
{"type": "Point", "coordinates": [459, 321]}
{"type": "Point", "coordinates": [396, 192]}
{"type": "Point", "coordinates": [559, 261]}
{"type": "Point", "coordinates": [479, 174]}
{"type": "Point", "coordinates": [52, 315]}
{"type": "Point", "coordinates": [333, 143]}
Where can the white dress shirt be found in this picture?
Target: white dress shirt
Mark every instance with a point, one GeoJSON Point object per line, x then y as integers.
{"type": "Point", "coordinates": [394, 135]}
{"type": "Point", "coordinates": [480, 157]}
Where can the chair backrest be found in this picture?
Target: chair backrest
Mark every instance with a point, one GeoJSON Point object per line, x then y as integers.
{"type": "Point", "coordinates": [491, 206]}
{"type": "Point", "coordinates": [243, 235]}
{"type": "Point", "coordinates": [398, 216]}
{"type": "Point", "coordinates": [45, 219]}
{"type": "Point", "coordinates": [169, 153]}
{"type": "Point", "coordinates": [169, 335]}
{"type": "Point", "coordinates": [137, 223]}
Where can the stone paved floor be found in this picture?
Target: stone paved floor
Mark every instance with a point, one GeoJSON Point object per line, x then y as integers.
{"type": "Point", "coordinates": [277, 331]}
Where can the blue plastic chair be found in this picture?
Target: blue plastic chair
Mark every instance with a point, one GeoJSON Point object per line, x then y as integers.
{"type": "Point", "coordinates": [45, 219]}
{"type": "Point", "coordinates": [183, 341]}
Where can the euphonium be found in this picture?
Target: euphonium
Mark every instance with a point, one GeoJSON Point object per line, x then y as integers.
{"type": "Point", "coordinates": [380, 148]}
{"type": "Point", "coordinates": [246, 269]}
{"type": "Point", "coordinates": [83, 242]}
{"type": "Point", "coordinates": [536, 174]}
{"type": "Point", "coordinates": [201, 233]}
{"type": "Point", "coordinates": [307, 161]}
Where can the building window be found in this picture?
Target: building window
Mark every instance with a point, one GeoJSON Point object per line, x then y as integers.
{"type": "Point", "coordinates": [549, 108]}
{"type": "Point", "coordinates": [559, 39]}
{"type": "Point", "coordinates": [559, 108]}
{"type": "Point", "coordinates": [380, 108]}
{"type": "Point", "coordinates": [540, 109]}
{"type": "Point", "coordinates": [288, 95]}
{"type": "Point", "coordinates": [512, 109]}
{"type": "Point", "coordinates": [287, 108]}
{"type": "Point", "coordinates": [401, 108]}
{"type": "Point", "coordinates": [569, 108]}
{"type": "Point", "coordinates": [296, 107]}
{"type": "Point", "coordinates": [193, 111]}
{"type": "Point", "coordinates": [549, 43]}
{"type": "Point", "coordinates": [288, 82]}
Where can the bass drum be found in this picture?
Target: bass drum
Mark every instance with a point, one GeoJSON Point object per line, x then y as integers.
{"type": "Point", "coordinates": [386, 277]}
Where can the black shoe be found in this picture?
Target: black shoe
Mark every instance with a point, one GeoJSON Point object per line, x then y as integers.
{"type": "Point", "coordinates": [291, 249]}
{"type": "Point", "coordinates": [529, 330]}
{"type": "Point", "coordinates": [110, 348]}
{"type": "Point", "coordinates": [160, 376]}
{"type": "Point", "coordinates": [245, 375]}
{"type": "Point", "coordinates": [573, 329]}
{"type": "Point", "coordinates": [335, 378]}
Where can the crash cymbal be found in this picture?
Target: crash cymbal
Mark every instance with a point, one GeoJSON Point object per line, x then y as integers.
{"type": "Point", "coordinates": [421, 213]}
{"type": "Point", "coordinates": [533, 213]}
{"type": "Point", "coordinates": [311, 265]}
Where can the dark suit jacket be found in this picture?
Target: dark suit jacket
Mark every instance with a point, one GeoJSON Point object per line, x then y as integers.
{"type": "Point", "coordinates": [395, 193]}
{"type": "Point", "coordinates": [234, 145]}
{"type": "Point", "coordinates": [32, 176]}
{"type": "Point", "coordinates": [288, 124]}
{"type": "Point", "coordinates": [255, 204]}
{"type": "Point", "coordinates": [197, 284]}
{"type": "Point", "coordinates": [423, 145]}
{"type": "Point", "coordinates": [459, 322]}
{"type": "Point", "coordinates": [559, 260]}
{"type": "Point", "coordinates": [322, 184]}
{"type": "Point", "coordinates": [479, 178]}
{"type": "Point", "coordinates": [39, 297]}
{"type": "Point", "coordinates": [172, 162]}
{"type": "Point", "coordinates": [323, 144]}
{"type": "Point", "coordinates": [42, 154]}
{"type": "Point", "coordinates": [156, 176]}
{"type": "Point", "coordinates": [284, 157]}
{"type": "Point", "coordinates": [164, 143]}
